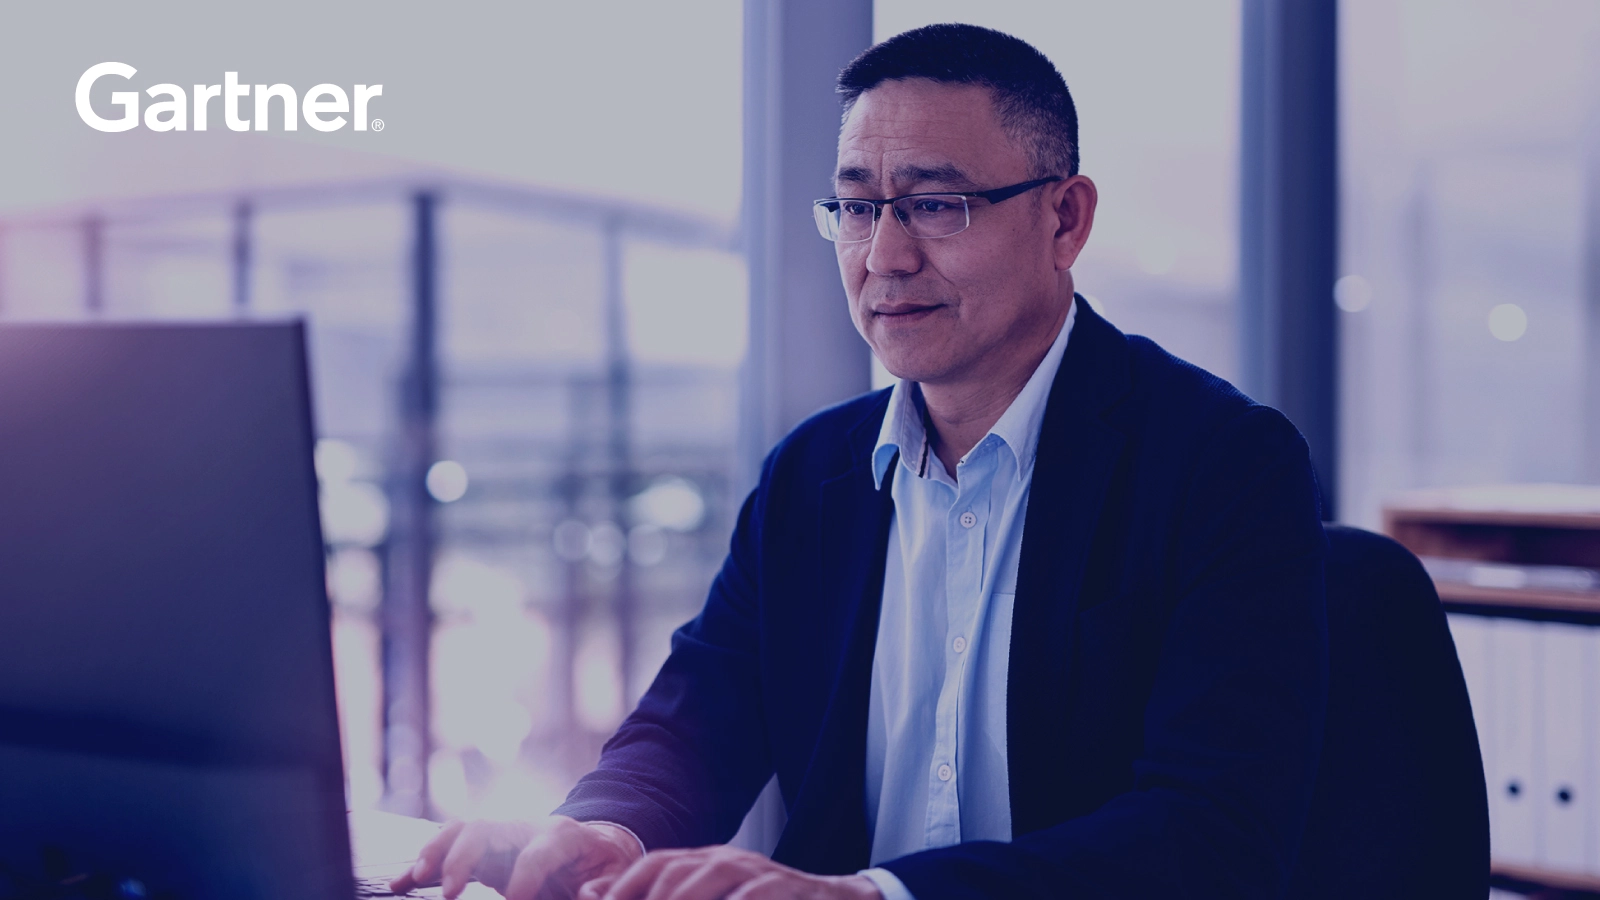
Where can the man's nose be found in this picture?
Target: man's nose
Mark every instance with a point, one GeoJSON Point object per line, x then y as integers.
{"type": "Point", "coordinates": [894, 252]}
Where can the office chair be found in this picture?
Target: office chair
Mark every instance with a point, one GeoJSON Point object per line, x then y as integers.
{"type": "Point", "coordinates": [1399, 809]}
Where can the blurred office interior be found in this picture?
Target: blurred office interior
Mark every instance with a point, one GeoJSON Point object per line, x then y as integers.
{"type": "Point", "coordinates": [550, 343]}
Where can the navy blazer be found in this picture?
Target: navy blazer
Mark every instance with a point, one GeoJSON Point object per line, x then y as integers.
{"type": "Point", "coordinates": [1168, 666]}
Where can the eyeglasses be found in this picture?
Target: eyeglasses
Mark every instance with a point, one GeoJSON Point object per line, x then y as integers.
{"type": "Point", "coordinates": [850, 220]}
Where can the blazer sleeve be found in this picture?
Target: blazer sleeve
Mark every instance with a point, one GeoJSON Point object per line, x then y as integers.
{"type": "Point", "coordinates": [1233, 724]}
{"type": "Point", "coordinates": [686, 765]}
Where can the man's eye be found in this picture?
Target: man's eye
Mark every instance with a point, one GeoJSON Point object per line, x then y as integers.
{"type": "Point", "coordinates": [855, 208]}
{"type": "Point", "coordinates": [932, 205]}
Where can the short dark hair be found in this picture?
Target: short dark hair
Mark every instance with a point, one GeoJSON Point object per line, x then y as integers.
{"type": "Point", "coordinates": [1029, 94]}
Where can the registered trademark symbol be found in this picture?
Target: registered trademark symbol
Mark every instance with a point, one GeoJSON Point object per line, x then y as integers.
{"type": "Point", "coordinates": [377, 124]}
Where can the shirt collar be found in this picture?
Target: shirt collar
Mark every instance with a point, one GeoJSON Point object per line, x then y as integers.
{"type": "Point", "coordinates": [1018, 428]}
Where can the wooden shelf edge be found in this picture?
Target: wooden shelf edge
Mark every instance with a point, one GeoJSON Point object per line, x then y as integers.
{"type": "Point", "coordinates": [1553, 878]}
{"type": "Point", "coordinates": [1581, 601]}
{"type": "Point", "coordinates": [1394, 515]}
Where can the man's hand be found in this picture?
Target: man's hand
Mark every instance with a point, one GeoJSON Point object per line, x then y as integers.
{"type": "Point", "coordinates": [522, 860]}
{"type": "Point", "coordinates": [710, 873]}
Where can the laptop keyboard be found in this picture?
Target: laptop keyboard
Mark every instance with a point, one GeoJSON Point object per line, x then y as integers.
{"type": "Point", "coordinates": [379, 887]}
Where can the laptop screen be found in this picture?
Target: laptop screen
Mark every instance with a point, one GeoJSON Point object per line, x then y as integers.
{"type": "Point", "coordinates": [167, 707]}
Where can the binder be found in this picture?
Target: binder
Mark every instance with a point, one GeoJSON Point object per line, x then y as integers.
{"type": "Point", "coordinates": [1566, 793]}
{"type": "Point", "coordinates": [1471, 636]}
{"type": "Point", "coordinates": [1515, 674]}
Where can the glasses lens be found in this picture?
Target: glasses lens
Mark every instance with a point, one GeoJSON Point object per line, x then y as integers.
{"type": "Point", "coordinates": [844, 221]}
{"type": "Point", "coordinates": [855, 220]}
{"type": "Point", "coordinates": [826, 212]}
{"type": "Point", "coordinates": [932, 215]}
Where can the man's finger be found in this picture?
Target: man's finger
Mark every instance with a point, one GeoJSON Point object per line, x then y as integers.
{"type": "Point", "coordinates": [636, 881]}
{"type": "Point", "coordinates": [463, 857]}
{"type": "Point", "coordinates": [596, 888]}
{"type": "Point", "coordinates": [675, 873]}
{"type": "Point", "coordinates": [711, 881]}
{"type": "Point", "coordinates": [771, 886]}
{"type": "Point", "coordinates": [426, 868]}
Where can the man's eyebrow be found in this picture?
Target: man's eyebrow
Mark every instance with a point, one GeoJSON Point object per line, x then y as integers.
{"type": "Point", "coordinates": [945, 176]}
{"type": "Point", "coordinates": [853, 175]}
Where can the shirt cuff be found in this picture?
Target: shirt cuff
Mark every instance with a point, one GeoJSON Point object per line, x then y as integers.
{"type": "Point", "coordinates": [622, 827]}
{"type": "Point", "coordinates": [891, 887]}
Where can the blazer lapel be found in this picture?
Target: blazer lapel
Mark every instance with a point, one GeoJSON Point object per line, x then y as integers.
{"type": "Point", "coordinates": [827, 829]}
{"type": "Point", "coordinates": [1077, 454]}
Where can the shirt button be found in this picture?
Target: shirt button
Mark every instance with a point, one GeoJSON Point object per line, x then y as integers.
{"type": "Point", "coordinates": [945, 773]}
{"type": "Point", "coordinates": [959, 644]}
{"type": "Point", "coordinates": [968, 519]}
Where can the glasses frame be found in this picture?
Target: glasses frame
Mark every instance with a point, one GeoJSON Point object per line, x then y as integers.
{"type": "Point", "coordinates": [820, 211]}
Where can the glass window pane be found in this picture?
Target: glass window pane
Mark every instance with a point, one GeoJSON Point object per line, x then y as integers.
{"type": "Point", "coordinates": [1468, 222]}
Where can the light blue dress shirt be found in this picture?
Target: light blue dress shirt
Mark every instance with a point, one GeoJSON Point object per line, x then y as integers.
{"type": "Point", "coordinates": [936, 720]}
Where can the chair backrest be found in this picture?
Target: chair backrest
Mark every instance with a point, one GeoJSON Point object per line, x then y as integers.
{"type": "Point", "coordinates": [1399, 808]}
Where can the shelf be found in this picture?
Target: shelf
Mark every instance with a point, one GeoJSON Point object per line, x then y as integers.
{"type": "Point", "coordinates": [1550, 878]}
{"type": "Point", "coordinates": [1509, 518]}
{"type": "Point", "coordinates": [1562, 506]}
{"type": "Point", "coordinates": [1547, 534]}
{"type": "Point", "coordinates": [1485, 539]}
{"type": "Point", "coordinates": [1579, 601]}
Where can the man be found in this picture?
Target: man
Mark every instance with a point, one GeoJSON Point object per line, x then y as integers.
{"type": "Point", "coordinates": [1044, 619]}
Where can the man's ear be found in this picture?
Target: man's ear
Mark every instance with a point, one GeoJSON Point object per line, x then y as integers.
{"type": "Point", "coordinates": [1074, 210]}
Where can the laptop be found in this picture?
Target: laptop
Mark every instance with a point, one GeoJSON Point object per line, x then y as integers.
{"type": "Point", "coordinates": [167, 714]}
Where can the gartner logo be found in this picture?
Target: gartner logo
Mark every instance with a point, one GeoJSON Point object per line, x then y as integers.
{"type": "Point", "coordinates": [324, 105]}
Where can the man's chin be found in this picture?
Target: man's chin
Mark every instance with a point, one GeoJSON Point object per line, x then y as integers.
{"type": "Point", "coordinates": [913, 370]}
{"type": "Point", "coordinates": [913, 357]}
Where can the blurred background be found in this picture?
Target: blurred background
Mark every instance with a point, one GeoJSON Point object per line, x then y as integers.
{"type": "Point", "coordinates": [569, 295]}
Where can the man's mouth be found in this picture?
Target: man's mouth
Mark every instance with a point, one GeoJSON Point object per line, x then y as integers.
{"type": "Point", "coordinates": [905, 312]}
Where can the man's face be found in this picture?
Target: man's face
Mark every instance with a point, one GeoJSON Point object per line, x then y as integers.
{"type": "Point", "coordinates": [946, 310]}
